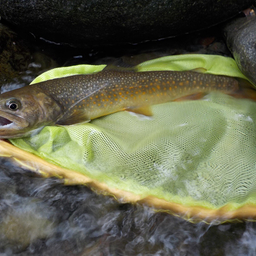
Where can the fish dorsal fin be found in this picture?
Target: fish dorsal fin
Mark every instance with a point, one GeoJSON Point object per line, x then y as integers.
{"type": "Point", "coordinates": [123, 68]}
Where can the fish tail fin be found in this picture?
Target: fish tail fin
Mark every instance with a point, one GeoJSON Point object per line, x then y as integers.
{"type": "Point", "coordinates": [245, 83]}
{"type": "Point", "coordinates": [246, 90]}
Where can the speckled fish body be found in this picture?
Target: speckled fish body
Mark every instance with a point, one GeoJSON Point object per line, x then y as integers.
{"type": "Point", "coordinates": [81, 98]}
{"type": "Point", "coordinates": [91, 96]}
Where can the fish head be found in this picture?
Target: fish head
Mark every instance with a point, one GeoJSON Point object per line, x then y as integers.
{"type": "Point", "coordinates": [24, 110]}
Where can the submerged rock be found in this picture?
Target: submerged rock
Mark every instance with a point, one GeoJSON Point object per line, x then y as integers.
{"type": "Point", "coordinates": [98, 22]}
{"type": "Point", "coordinates": [15, 56]}
{"type": "Point", "coordinates": [241, 40]}
{"type": "Point", "coordinates": [24, 221]}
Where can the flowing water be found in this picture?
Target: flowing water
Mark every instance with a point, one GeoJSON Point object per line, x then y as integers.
{"type": "Point", "coordinates": [41, 216]}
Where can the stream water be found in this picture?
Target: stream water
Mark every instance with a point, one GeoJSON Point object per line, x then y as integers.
{"type": "Point", "coordinates": [41, 216]}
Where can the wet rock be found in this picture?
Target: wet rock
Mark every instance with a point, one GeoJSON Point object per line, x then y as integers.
{"type": "Point", "coordinates": [103, 22]}
{"type": "Point", "coordinates": [241, 40]}
{"type": "Point", "coordinates": [20, 63]}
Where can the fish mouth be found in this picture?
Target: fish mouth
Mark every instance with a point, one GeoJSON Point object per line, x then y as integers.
{"type": "Point", "coordinates": [11, 126]}
{"type": "Point", "coordinates": [5, 121]}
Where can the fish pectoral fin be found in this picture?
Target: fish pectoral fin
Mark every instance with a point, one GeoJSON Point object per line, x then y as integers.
{"type": "Point", "coordinates": [71, 124]}
{"type": "Point", "coordinates": [74, 118]}
{"type": "Point", "coordinates": [145, 110]}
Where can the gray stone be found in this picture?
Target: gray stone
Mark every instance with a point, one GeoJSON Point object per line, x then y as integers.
{"type": "Point", "coordinates": [241, 40]}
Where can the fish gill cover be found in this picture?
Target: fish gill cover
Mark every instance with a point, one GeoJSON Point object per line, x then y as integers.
{"type": "Point", "coordinates": [195, 158]}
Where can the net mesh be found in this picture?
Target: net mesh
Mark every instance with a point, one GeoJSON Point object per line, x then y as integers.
{"type": "Point", "coordinates": [194, 153]}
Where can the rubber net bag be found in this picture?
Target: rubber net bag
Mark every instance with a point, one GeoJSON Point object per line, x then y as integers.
{"type": "Point", "coordinates": [192, 157]}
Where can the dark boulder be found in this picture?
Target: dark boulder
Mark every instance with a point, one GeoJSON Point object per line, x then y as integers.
{"type": "Point", "coordinates": [86, 23]}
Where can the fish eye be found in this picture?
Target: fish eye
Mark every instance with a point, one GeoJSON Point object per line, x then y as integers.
{"type": "Point", "coordinates": [13, 104]}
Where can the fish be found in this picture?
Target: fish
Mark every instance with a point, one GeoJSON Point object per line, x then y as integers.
{"type": "Point", "coordinates": [82, 98]}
